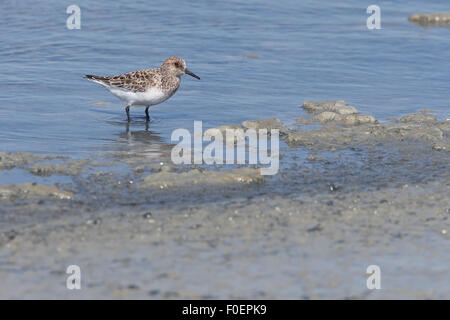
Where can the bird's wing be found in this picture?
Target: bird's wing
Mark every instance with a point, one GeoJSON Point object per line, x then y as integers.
{"type": "Point", "coordinates": [136, 81]}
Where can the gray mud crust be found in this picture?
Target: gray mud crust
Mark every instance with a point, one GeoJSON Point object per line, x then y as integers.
{"type": "Point", "coordinates": [349, 194]}
{"type": "Point", "coordinates": [431, 20]}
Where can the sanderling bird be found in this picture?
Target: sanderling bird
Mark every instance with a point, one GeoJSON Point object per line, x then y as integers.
{"type": "Point", "coordinates": [146, 87]}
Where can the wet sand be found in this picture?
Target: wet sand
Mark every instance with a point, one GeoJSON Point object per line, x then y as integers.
{"type": "Point", "coordinates": [352, 192]}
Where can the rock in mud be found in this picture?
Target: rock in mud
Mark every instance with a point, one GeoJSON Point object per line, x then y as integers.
{"type": "Point", "coordinates": [418, 117]}
{"type": "Point", "coordinates": [336, 110]}
{"type": "Point", "coordinates": [441, 147]}
{"type": "Point", "coordinates": [337, 106]}
{"type": "Point", "coordinates": [444, 126]}
{"type": "Point", "coordinates": [19, 159]}
{"type": "Point", "coordinates": [433, 19]}
{"type": "Point", "coordinates": [71, 168]}
{"type": "Point", "coordinates": [163, 180]}
{"type": "Point", "coordinates": [357, 119]}
{"type": "Point", "coordinates": [269, 124]}
{"type": "Point", "coordinates": [223, 131]}
{"type": "Point", "coordinates": [32, 190]}
{"type": "Point", "coordinates": [369, 133]}
{"type": "Point", "coordinates": [304, 120]}
{"type": "Point", "coordinates": [345, 110]}
{"type": "Point", "coordinates": [416, 132]}
{"type": "Point", "coordinates": [348, 120]}
{"type": "Point", "coordinates": [327, 116]}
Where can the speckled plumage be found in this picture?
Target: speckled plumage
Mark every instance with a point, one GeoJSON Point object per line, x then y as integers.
{"type": "Point", "coordinates": [146, 87]}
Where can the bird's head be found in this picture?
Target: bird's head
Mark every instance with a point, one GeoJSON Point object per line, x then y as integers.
{"type": "Point", "coordinates": [177, 67]}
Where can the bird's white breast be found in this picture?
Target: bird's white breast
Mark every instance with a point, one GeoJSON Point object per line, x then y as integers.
{"type": "Point", "coordinates": [150, 97]}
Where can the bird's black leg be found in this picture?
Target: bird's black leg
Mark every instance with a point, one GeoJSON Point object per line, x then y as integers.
{"type": "Point", "coordinates": [147, 117]}
{"type": "Point", "coordinates": [127, 109]}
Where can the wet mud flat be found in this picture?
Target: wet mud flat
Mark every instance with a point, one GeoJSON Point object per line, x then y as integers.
{"type": "Point", "coordinates": [352, 191]}
{"type": "Point", "coordinates": [431, 19]}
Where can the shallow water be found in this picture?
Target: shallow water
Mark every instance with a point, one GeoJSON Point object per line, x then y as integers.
{"type": "Point", "coordinates": [307, 50]}
{"type": "Point", "coordinates": [308, 232]}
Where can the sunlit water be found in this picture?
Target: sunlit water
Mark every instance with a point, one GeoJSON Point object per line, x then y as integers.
{"type": "Point", "coordinates": [308, 50]}
{"type": "Point", "coordinates": [305, 50]}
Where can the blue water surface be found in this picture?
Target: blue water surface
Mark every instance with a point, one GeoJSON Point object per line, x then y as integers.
{"type": "Point", "coordinates": [308, 50]}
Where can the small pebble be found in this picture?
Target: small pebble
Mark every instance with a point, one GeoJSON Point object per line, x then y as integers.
{"type": "Point", "coordinates": [147, 215]}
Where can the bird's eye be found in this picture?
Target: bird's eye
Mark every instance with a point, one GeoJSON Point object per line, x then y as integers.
{"type": "Point", "coordinates": [177, 64]}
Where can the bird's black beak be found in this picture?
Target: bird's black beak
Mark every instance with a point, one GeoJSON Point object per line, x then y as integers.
{"type": "Point", "coordinates": [191, 74]}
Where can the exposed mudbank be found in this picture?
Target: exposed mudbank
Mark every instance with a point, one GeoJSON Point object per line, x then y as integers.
{"type": "Point", "coordinates": [350, 188]}
{"type": "Point", "coordinates": [44, 165]}
{"type": "Point", "coordinates": [336, 126]}
{"type": "Point", "coordinates": [32, 190]}
{"type": "Point", "coordinates": [346, 137]}
{"type": "Point", "coordinates": [71, 168]}
{"type": "Point", "coordinates": [269, 124]}
{"type": "Point", "coordinates": [348, 129]}
{"type": "Point", "coordinates": [10, 161]}
{"type": "Point", "coordinates": [312, 246]}
{"type": "Point", "coordinates": [431, 20]}
{"type": "Point", "coordinates": [165, 179]}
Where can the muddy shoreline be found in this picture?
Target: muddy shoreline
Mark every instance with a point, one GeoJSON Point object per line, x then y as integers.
{"type": "Point", "coordinates": [352, 191]}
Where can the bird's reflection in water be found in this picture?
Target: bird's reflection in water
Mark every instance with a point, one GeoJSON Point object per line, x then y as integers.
{"type": "Point", "coordinates": [139, 143]}
{"type": "Point", "coordinates": [143, 134]}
